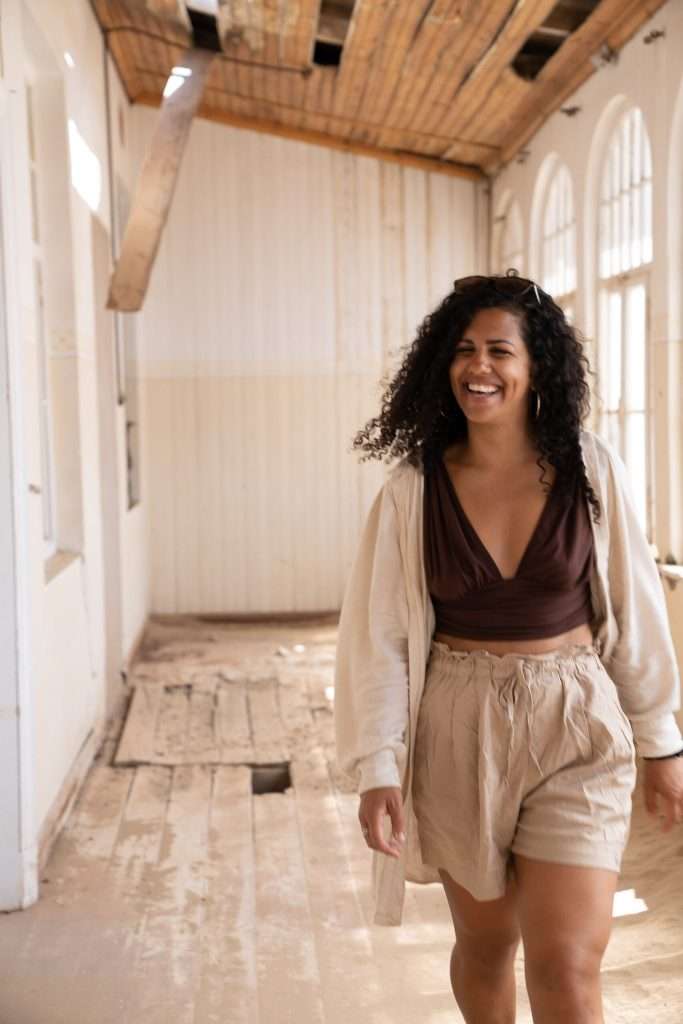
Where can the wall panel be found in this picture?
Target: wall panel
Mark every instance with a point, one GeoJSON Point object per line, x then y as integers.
{"type": "Point", "coordinates": [285, 275]}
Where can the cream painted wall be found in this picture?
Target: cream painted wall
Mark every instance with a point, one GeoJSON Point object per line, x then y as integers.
{"type": "Point", "coordinates": [287, 278]}
{"type": "Point", "coordinates": [64, 700]}
{"type": "Point", "coordinates": [650, 76]}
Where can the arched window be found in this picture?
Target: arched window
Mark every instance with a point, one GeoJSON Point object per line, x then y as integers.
{"type": "Point", "coordinates": [558, 250]}
{"type": "Point", "coordinates": [508, 239]}
{"type": "Point", "coordinates": [624, 260]}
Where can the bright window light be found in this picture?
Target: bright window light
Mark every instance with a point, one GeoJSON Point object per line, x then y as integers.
{"type": "Point", "coordinates": [181, 71]}
{"type": "Point", "coordinates": [86, 173]}
{"type": "Point", "coordinates": [626, 902]}
{"type": "Point", "coordinates": [68, 60]}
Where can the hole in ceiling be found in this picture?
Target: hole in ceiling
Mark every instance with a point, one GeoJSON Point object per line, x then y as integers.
{"type": "Point", "coordinates": [544, 42]}
{"type": "Point", "coordinates": [327, 54]}
{"type": "Point", "coordinates": [270, 778]}
{"type": "Point", "coordinates": [333, 25]}
{"type": "Point", "coordinates": [204, 30]}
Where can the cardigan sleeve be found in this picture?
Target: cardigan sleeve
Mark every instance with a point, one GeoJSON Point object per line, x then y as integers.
{"type": "Point", "coordinates": [643, 661]}
{"type": "Point", "coordinates": [371, 669]}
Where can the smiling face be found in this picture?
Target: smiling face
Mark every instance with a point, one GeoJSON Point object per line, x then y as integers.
{"type": "Point", "coordinates": [490, 371]}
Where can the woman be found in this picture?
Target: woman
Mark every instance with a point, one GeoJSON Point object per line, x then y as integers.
{"type": "Point", "coordinates": [503, 653]}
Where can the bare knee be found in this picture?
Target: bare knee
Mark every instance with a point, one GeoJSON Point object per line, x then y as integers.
{"type": "Point", "coordinates": [564, 967]}
{"type": "Point", "coordinates": [487, 932]}
{"type": "Point", "coordinates": [486, 951]}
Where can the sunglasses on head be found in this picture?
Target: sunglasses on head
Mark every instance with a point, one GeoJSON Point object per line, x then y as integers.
{"type": "Point", "coordinates": [509, 285]}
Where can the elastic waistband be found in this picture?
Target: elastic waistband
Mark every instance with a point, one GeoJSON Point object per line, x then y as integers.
{"type": "Point", "coordinates": [567, 652]}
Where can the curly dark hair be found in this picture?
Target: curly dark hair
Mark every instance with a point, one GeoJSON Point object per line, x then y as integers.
{"type": "Point", "coordinates": [420, 417]}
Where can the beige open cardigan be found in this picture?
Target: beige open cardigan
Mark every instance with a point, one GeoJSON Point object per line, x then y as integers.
{"type": "Point", "coordinates": [387, 621]}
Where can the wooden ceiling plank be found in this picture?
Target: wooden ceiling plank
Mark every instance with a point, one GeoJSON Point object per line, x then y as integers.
{"type": "Point", "coordinates": [365, 31]}
{"type": "Point", "coordinates": [473, 94]}
{"type": "Point", "coordinates": [173, 11]}
{"type": "Point", "coordinates": [358, 130]}
{"type": "Point", "coordinates": [297, 49]}
{"type": "Point", "coordinates": [434, 105]}
{"type": "Point", "coordinates": [469, 154]}
{"type": "Point", "coordinates": [309, 96]}
{"type": "Point", "coordinates": [440, 33]}
{"type": "Point", "coordinates": [389, 58]}
{"type": "Point", "coordinates": [298, 87]}
{"type": "Point", "coordinates": [161, 17]}
{"type": "Point", "coordinates": [318, 91]}
{"type": "Point", "coordinates": [155, 186]}
{"type": "Point", "coordinates": [613, 22]}
{"type": "Point", "coordinates": [327, 83]}
{"type": "Point", "coordinates": [122, 46]}
{"type": "Point", "coordinates": [334, 142]}
{"type": "Point", "coordinates": [244, 79]}
{"type": "Point", "coordinates": [121, 54]}
{"type": "Point", "coordinates": [139, 44]}
{"type": "Point", "coordinates": [435, 54]}
{"type": "Point", "coordinates": [320, 121]}
{"type": "Point", "coordinates": [236, 27]}
{"type": "Point", "coordinates": [227, 72]}
{"type": "Point", "coordinates": [498, 115]}
{"type": "Point", "coordinates": [258, 76]}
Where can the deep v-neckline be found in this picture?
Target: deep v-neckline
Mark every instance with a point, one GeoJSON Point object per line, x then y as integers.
{"type": "Point", "coordinates": [484, 550]}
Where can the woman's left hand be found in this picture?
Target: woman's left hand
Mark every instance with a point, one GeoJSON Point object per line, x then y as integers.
{"type": "Point", "coordinates": [663, 785]}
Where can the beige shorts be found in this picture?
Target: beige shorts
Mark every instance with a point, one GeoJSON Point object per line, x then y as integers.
{"type": "Point", "coordinates": [523, 753]}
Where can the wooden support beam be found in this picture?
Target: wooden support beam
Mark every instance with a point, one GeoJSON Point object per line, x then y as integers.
{"type": "Point", "coordinates": [155, 186]}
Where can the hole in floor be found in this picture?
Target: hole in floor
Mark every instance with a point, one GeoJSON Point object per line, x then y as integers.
{"type": "Point", "coordinates": [270, 778]}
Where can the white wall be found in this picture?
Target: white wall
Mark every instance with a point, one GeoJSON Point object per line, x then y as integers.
{"type": "Point", "coordinates": [64, 692]}
{"type": "Point", "coordinates": [286, 274]}
{"type": "Point", "coordinates": [651, 77]}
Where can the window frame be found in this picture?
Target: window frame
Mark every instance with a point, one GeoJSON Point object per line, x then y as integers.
{"type": "Point", "coordinates": [557, 237]}
{"type": "Point", "coordinates": [617, 226]}
{"type": "Point", "coordinates": [46, 426]}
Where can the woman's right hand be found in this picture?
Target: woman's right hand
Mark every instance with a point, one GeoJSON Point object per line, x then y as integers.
{"type": "Point", "coordinates": [374, 804]}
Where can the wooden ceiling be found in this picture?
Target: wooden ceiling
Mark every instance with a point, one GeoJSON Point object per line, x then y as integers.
{"type": "Point", "coordinates": [458, 85]}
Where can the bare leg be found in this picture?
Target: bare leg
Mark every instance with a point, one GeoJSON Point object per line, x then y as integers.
{"type": "Point", "coordinates": [482, 962]}
{"type": "Point", "coordinates": [565, 915]}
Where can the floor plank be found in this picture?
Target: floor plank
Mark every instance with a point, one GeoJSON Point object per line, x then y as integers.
{"type": "Point", "coordinates": [286, 961]}
{"type": "Point", "coordinates": [176, 893]}
{"type": "Point", "coordinates": [350, 981]}
{"type": "Point", "coordinates": [227, 985]}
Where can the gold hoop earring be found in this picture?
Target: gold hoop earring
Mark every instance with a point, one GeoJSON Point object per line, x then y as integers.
{"type": "Point", "coordinates": [538, 404]}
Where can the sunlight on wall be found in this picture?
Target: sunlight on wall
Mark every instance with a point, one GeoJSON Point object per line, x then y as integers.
{"type": "Point", "coordinates": [86, 173]}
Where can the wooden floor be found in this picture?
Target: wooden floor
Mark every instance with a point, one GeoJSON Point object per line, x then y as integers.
{"type": "Point", "coordinates": [177, 895]}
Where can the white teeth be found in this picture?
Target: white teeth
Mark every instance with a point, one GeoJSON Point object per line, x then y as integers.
{"type": "Point", "coordinates": [481, 389]}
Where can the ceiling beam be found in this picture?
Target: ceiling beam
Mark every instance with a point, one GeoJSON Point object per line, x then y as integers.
{"type": "Point", "coordinates": [156, 184]}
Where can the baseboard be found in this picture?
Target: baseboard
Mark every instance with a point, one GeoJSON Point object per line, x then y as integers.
{"type": "Point", "coordinates": [63, 803]}
{"type": "Point", "coordinates": [284, 618]}
{"type": "Point", "coordinates": [134, 650]}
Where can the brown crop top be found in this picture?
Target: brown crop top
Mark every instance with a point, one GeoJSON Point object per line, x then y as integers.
{"type": "Point", "coordinates": [549, 594]}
